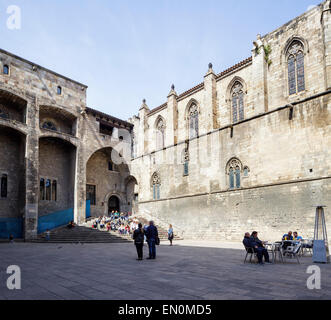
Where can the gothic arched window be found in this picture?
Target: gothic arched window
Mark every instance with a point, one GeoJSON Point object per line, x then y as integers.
{"type": "Point", "coordinates": [156, 184]}
{"type": "Point", "coordinates": [237, 95]}
{"type": "Point", "coordinates": [193, 116]}
{"type": "Point", "coordinates": [296, 67]}
{"type": "Point", "coordinates": [49, 126]}
{"type": "Point", "coordinates": [234, 169]}
{"type": "Point", "coordinates": [160, 131]}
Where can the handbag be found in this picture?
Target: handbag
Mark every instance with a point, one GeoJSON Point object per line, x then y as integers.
{"type": "Point", "coordinates": [157, 241]}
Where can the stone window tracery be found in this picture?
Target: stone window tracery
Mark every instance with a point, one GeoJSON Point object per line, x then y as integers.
{"type": "Point", "coordinates": [296, 67]}
{"type": "Point", "coordinates": [47, 190]}
{"type": "Point", "coordinates": [237, 94]}
{"type": "Point", "coordinates": [193, 116]}
{"type": "Point", "coordinates": [234, 170]}
{"type": "Point", "coordinates": [156, 183]}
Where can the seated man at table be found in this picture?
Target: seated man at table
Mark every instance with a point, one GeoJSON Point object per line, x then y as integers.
{"type": "Point", "coordinates": [296, 237]}
{"type": "Point", "coordinates": [287, 238]}
{"type": "Point", "coordinates": [258, 247]}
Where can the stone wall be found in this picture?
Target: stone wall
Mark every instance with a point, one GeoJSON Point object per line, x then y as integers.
{"type": "Point", "coordinates": [294, 154]}
{"type": "Point", "coordinates": [12, 165]}
{"type": "Point", "coordinates": [282, 146]}
{"type": "Point", "coordinates": [57, 163]}
{"type": "Point", "coordinates": [272, 211]}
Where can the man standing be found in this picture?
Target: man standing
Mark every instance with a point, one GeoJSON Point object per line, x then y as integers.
{"type": "Point", "coordinates": [261, 252]}
{"type": "Point", "coordinates": [138, 237]}
{"type": "Point", "coordinates": [151, 235]}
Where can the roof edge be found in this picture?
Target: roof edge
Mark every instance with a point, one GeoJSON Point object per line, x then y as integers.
{"type": "Point", "coordinates": [201, 85]}
{"type": "Point", "coordinates": [41, 67]}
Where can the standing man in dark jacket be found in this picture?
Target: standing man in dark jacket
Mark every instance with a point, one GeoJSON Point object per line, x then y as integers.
{"type": "Point", "coordinates": [138, 237]}
{"type": "Point", "coordinates": [151, 235]}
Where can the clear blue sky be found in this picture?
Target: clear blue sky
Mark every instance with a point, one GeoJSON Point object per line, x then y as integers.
{"type": "Point", "coordinates": [127, 50]}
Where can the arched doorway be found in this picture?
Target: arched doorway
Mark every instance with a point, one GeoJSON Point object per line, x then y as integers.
{"type": "Point", "coordinates": [113, 204]}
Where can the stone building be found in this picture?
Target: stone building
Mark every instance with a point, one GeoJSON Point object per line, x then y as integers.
{"type": "Point", "coordinates": [248, 148]}
{"type": "Point", "coordinates": [56, 152]}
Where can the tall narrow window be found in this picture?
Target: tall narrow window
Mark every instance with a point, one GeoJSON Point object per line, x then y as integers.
{"type": "Point", "coordinates": [186, 168]}
{"type": "Point", "coordinates": [193, 121]}
{"type": "Point", "coordinates": [234, 170]}
{"type": "Point", "coordinates": [296, 67]}
{"type": "Point", "coordinates": [48, 189]}
{"type": "Point", "coordinates": [110, 166]}
{"type": "Point", "coordinates": [237, 94]}
{"type": "Point", "coordinates": [238, 185]}
{"type": "Point", "coordinates": [231, 175]}
{"type": "Point", "coordinates": [156, 183]}
{"type": "Point", "coordinates": [42, 189]}
{"type": "Point", "coordinates": [4, 186]}
{"type": "Point", "coordinates": [54, 190]}
{"type": "Point", "coordinates": [6, 69]}
{"type": "Point", "coordinates": [91, 194]}
{"type": "Point", "coordinates": [160, 131]}
{"type": "Point", "coordinates": [186, 160]}
{"type": "Point", "coordinates": [59, 90]}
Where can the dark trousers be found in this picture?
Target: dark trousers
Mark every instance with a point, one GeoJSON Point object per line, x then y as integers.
{"type": "Point", "coordinates": [139, 247]}
{"type": "Point", "coordinates": [152, 248]}
{"type": "Point", "coordinates": [262, 252]}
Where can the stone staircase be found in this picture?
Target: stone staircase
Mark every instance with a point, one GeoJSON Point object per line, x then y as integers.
{"type": "Point", "coordinates": [81, 234]}
{"type": "Point", "coordinates": [163, 233]}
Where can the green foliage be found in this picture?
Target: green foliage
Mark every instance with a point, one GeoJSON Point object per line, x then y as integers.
{"type": "Point", "coordinates": [267, 51]}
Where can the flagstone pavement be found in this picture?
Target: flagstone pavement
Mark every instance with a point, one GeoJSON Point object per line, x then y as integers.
{"type": "Point", "coordinates": [187, 271]}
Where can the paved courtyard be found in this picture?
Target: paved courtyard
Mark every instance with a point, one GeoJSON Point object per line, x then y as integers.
{"type": "Point", "coordinates": [188, 270]}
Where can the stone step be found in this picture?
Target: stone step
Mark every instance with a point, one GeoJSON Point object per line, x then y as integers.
{"type": "Point", "coordinates": [80, 234]}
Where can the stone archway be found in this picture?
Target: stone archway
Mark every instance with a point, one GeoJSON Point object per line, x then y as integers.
{"type": "Point", "coordinates": [12, 182]}
{"type": "Point", "coordinates": [106, 179]}
{"type": "Point", "coordinates": [114, 204]}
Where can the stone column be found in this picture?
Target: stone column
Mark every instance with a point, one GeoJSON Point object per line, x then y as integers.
{"type": "Point", "coordinates": [31, 172]}
{"type": "Point", "coordinates": [259, 77]}
{"type": "Point", "coordinates": [210, 101]}
{"type": "Point", "coordinates": [143, 129]}
{"type": "Point", "coordinates": [326, 25]}
{"type": "Point", "coordinates": [80, 186]}
{"type": "Point", "coordinates": [172, 118]}
{"type": "Point", "coordinates": [80, 168]}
